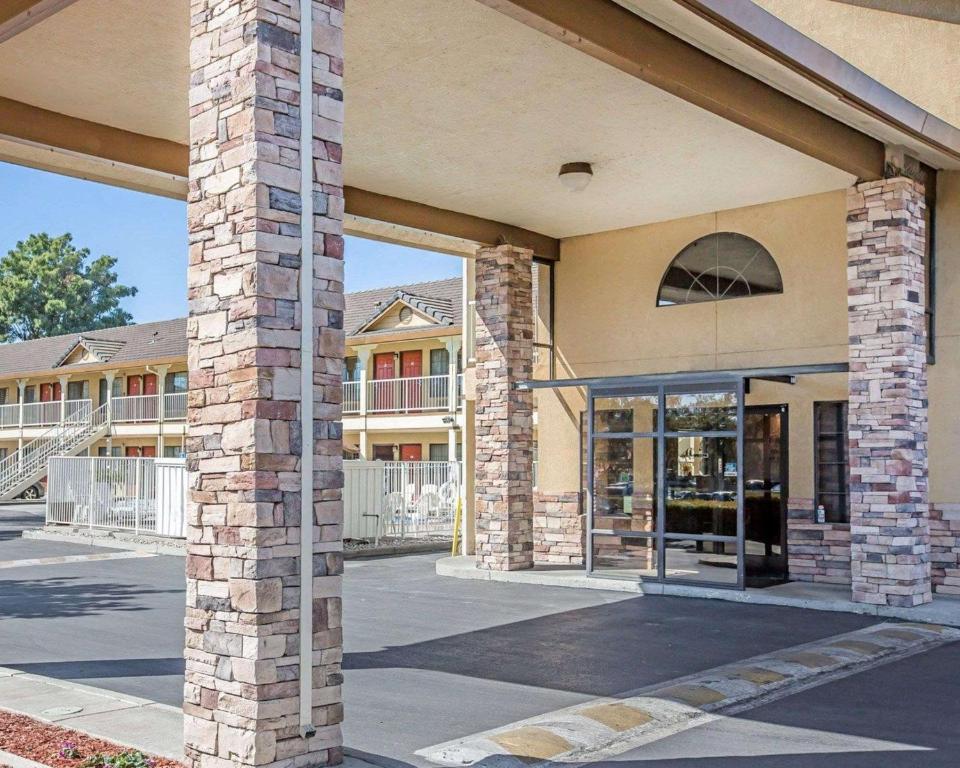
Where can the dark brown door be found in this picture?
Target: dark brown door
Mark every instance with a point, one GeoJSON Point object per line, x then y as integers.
{"type": "Point", "coordinates": [383, 453]}
{"type": "Point", "coordinates": [765, 456]}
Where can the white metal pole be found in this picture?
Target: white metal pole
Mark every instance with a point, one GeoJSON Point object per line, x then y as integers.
{"type": "Point", "coordinates": [306, 368]}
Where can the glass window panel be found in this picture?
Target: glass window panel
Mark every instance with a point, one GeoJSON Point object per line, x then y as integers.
{"type": "Point", "coordinates": [439, 362]}
{"type": "Point", "coordinates": [701, 412]}
{"type": "Point", "coordinates": [832, 449]}
{"type": "Point", "coordinates": [624, 484]}
{"type": "Point", "coordinates": [625, 556]}
{"type": "Point", "coordinates": [709, 561]}
{"type": "Point", "coordinates": [636, 413]}
{"type": "Point", "coordinates": [701, 477]}
{"type": "Point", "coordinates": [721, 265]}
{"type": "Point", "coordinates": [831, 418]}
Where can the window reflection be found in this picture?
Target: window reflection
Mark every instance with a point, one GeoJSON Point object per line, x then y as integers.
{"type": "Point", "coordinates": [636, 413]}
{"type": "Point", "coordinates": [625, 556]}
{"type": "Point", "coordinates": [701, 412]}
{"type": "Point", "coordinates": [710, 561]}
{"type": "Point", "coordinates": [701, 474]}
{"type": "Point", "coordinates": [624, 484]}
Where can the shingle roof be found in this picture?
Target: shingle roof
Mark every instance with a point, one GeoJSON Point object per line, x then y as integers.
{"type": "Point", "coordinates": [147, 341]}
{"type": "Point", "coordinates": [168, 338]}
{"type": "Point", "coordinates": [440, 299]}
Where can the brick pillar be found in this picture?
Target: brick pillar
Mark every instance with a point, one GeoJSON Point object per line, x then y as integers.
{"type": "Point", "coordinates": [241, 698]}
{"type": "Point", "coordinates": [889, 527]}
{"type": "Point", "coordinates": [504, 415]}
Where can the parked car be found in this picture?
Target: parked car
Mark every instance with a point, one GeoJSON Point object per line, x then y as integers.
{"type": "Point", "coordinates": [35, 491]}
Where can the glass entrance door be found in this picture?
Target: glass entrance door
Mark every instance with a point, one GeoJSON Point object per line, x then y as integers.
{"type": "Point", "coordinates": [765, 443]}
{"type": "Point", "coordinates": [665, 484]}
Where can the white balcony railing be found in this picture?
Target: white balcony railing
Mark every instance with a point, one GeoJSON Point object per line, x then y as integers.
{"type": "Point", "coordinates": [136, 408]}
{"type": "Point", "coordinates": [175, 406]}
{"type": "Point", "coordinates": [351, 397]}
{"type": "Point", "coordinates": [423, 393]}
{"type": "Point", "coordinates": [10, 415]}
{"type": "Point", "coordinates": [41, 414]}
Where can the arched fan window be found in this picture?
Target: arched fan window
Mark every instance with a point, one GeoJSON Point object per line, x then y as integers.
{"type": "Point", "coordinates": [723, 265]}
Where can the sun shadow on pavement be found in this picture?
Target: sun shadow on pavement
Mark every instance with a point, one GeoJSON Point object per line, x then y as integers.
{"type": "Point", "coordinates": [103, 668]}
{"type": "Point", "coordinates": [68, 596]}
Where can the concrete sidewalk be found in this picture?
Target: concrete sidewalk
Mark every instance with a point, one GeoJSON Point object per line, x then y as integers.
{"type": "Point", "coordinates": [943, 610]}
{"type": "Point", "coordinates": [130, 721]}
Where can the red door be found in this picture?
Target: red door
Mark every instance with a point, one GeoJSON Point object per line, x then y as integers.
{"type": "Point", "coordinates": [411, 369]}
{"type": "Point", "coordinates": [150, 384]}
{"type": "Point", "coordinates": [57, 391]}
{"type": "Point", "coordinates": [383, 398]}
{"type": "Point", "coordinates": [410, 452]}
{"type": "Point", "coordinates": [132, 452]}
{"type": "Point", "coordinates": [46, 393]}
{"type": "Point", "coordinates": [149, 451]}
{"type": "Point", "coordinates": [134, 385]}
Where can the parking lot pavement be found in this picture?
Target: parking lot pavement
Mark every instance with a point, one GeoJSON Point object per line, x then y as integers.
{"type": "Point", "coordinates": [428, 659]}
{"type": "Point", "coordinates": [17, 517]}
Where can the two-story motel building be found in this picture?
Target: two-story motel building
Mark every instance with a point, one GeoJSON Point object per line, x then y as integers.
{"type": "Point", "coordinates": [402, 383]}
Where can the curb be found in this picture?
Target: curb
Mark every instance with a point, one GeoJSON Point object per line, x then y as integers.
{"type": "Point", "coordinates": [15, 761]}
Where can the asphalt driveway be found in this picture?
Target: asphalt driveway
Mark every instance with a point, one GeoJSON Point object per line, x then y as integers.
{"type": "Point", "coordinates": [430, 659]}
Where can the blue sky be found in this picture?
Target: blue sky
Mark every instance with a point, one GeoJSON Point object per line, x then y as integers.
{"type": "Point", "coordinates": [148, 235]}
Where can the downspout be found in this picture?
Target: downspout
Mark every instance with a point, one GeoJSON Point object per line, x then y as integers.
{"type": "Point", "coordinates": [306, 369]}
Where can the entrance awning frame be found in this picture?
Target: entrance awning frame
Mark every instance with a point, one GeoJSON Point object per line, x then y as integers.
{"type": "Point", "coordinates": [730, 375]}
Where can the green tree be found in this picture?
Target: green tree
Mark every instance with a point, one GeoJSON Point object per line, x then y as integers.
{"type": "Point", "coordinates": [48, 287]}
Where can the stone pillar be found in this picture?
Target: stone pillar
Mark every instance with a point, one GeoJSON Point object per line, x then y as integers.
{"type": "Point", "coordinates": [889, 527]}
{"type": "Point", "coordinates": [245, 446]}
{"type": "Point", "coordinates": [504, 414]}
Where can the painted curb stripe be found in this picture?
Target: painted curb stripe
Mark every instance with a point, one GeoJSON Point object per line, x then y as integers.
{"type": "Point", "coordinates": [65, 559]}
{"type": "Point", "coordinates": [610, 726]}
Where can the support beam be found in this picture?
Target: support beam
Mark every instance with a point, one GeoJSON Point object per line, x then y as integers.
{"type": "Point", "coordinates": [400, 221]}
{"type": "Point", "coordinates": [17, 16]}
{"type": "Point", "coordinates": [612, 34]}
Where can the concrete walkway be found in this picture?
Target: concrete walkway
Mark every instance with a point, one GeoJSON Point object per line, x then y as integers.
{"type": "Point", "coordinates": [943, 610]}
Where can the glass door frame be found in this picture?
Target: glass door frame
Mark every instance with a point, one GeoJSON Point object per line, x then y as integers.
{"type": "Point", "coordinates": [661, 535]}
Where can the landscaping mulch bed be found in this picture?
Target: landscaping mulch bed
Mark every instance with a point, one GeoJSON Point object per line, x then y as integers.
{"type": "Point", "coordinates": [42, 743]}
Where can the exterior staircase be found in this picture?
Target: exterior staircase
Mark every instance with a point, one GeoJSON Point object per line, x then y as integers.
{"type": "Point", "coordinates": [26, 466]}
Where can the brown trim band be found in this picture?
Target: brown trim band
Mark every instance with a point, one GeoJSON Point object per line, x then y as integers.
{"type": "Point", "coordinates": [25, 122]}
{"type": "Point", "coordinates": [406, 213]}
{"type": "Point", "coordinates": [612, 34]}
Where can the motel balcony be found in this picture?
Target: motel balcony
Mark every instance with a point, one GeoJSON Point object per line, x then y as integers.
{"type": "Point", "coordinates": [413, 402]}
{"type": "Point", "coordinates": [30, 420]}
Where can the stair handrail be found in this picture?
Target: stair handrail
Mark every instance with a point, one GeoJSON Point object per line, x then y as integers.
{"type": "Point", "coordinates": [60, 438]}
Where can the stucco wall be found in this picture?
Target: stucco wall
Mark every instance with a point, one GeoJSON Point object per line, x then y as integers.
{"type": "Point", "coordinates": [607, 321]}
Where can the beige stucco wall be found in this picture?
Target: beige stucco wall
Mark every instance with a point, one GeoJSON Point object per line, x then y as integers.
{"type": "Point", "coordinates": [607, 321]}
{"type": "Point", "coordinates": [944, 376]}
{"type": "Point", "coordinates": [918, 58]}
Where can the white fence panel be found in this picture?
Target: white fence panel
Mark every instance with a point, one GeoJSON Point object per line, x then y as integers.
{"type": "Point", "coordinates": [400, 499]}
{"type": "Point", "coordinates": [117, 493]}
{"type": "Point", "coordinates": [171, 497]}
{"type": "Point", "coordinates": [362, 499]}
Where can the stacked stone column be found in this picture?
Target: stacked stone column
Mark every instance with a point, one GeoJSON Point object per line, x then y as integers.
{"type": "Point", "coordinates": [246, 427]}
{"type": "Point", "coordinates": [889, 527]}
{"type": "Point", "coordinates": [504, 415]}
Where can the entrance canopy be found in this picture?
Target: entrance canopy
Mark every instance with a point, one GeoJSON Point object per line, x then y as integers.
{"type": "Point", "coordinates": [450, 104]}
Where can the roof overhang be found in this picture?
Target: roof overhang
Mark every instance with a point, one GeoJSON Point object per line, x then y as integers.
{"type": "Point", "coordinates": [756, 42]}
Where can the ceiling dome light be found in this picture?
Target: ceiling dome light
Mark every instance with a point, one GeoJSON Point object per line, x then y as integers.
{"type": "Point", "coordinates": [576, 176]}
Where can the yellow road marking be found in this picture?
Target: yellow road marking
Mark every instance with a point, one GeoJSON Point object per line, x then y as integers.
{"type": "Point", "coordinates": [759, 675]}
{"type": "Point", "coordinates": [694, 695]}
{"type": "Point", "coordinates": [617, 717]}
{"type": "Point", "coordinates": [528, 741]}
